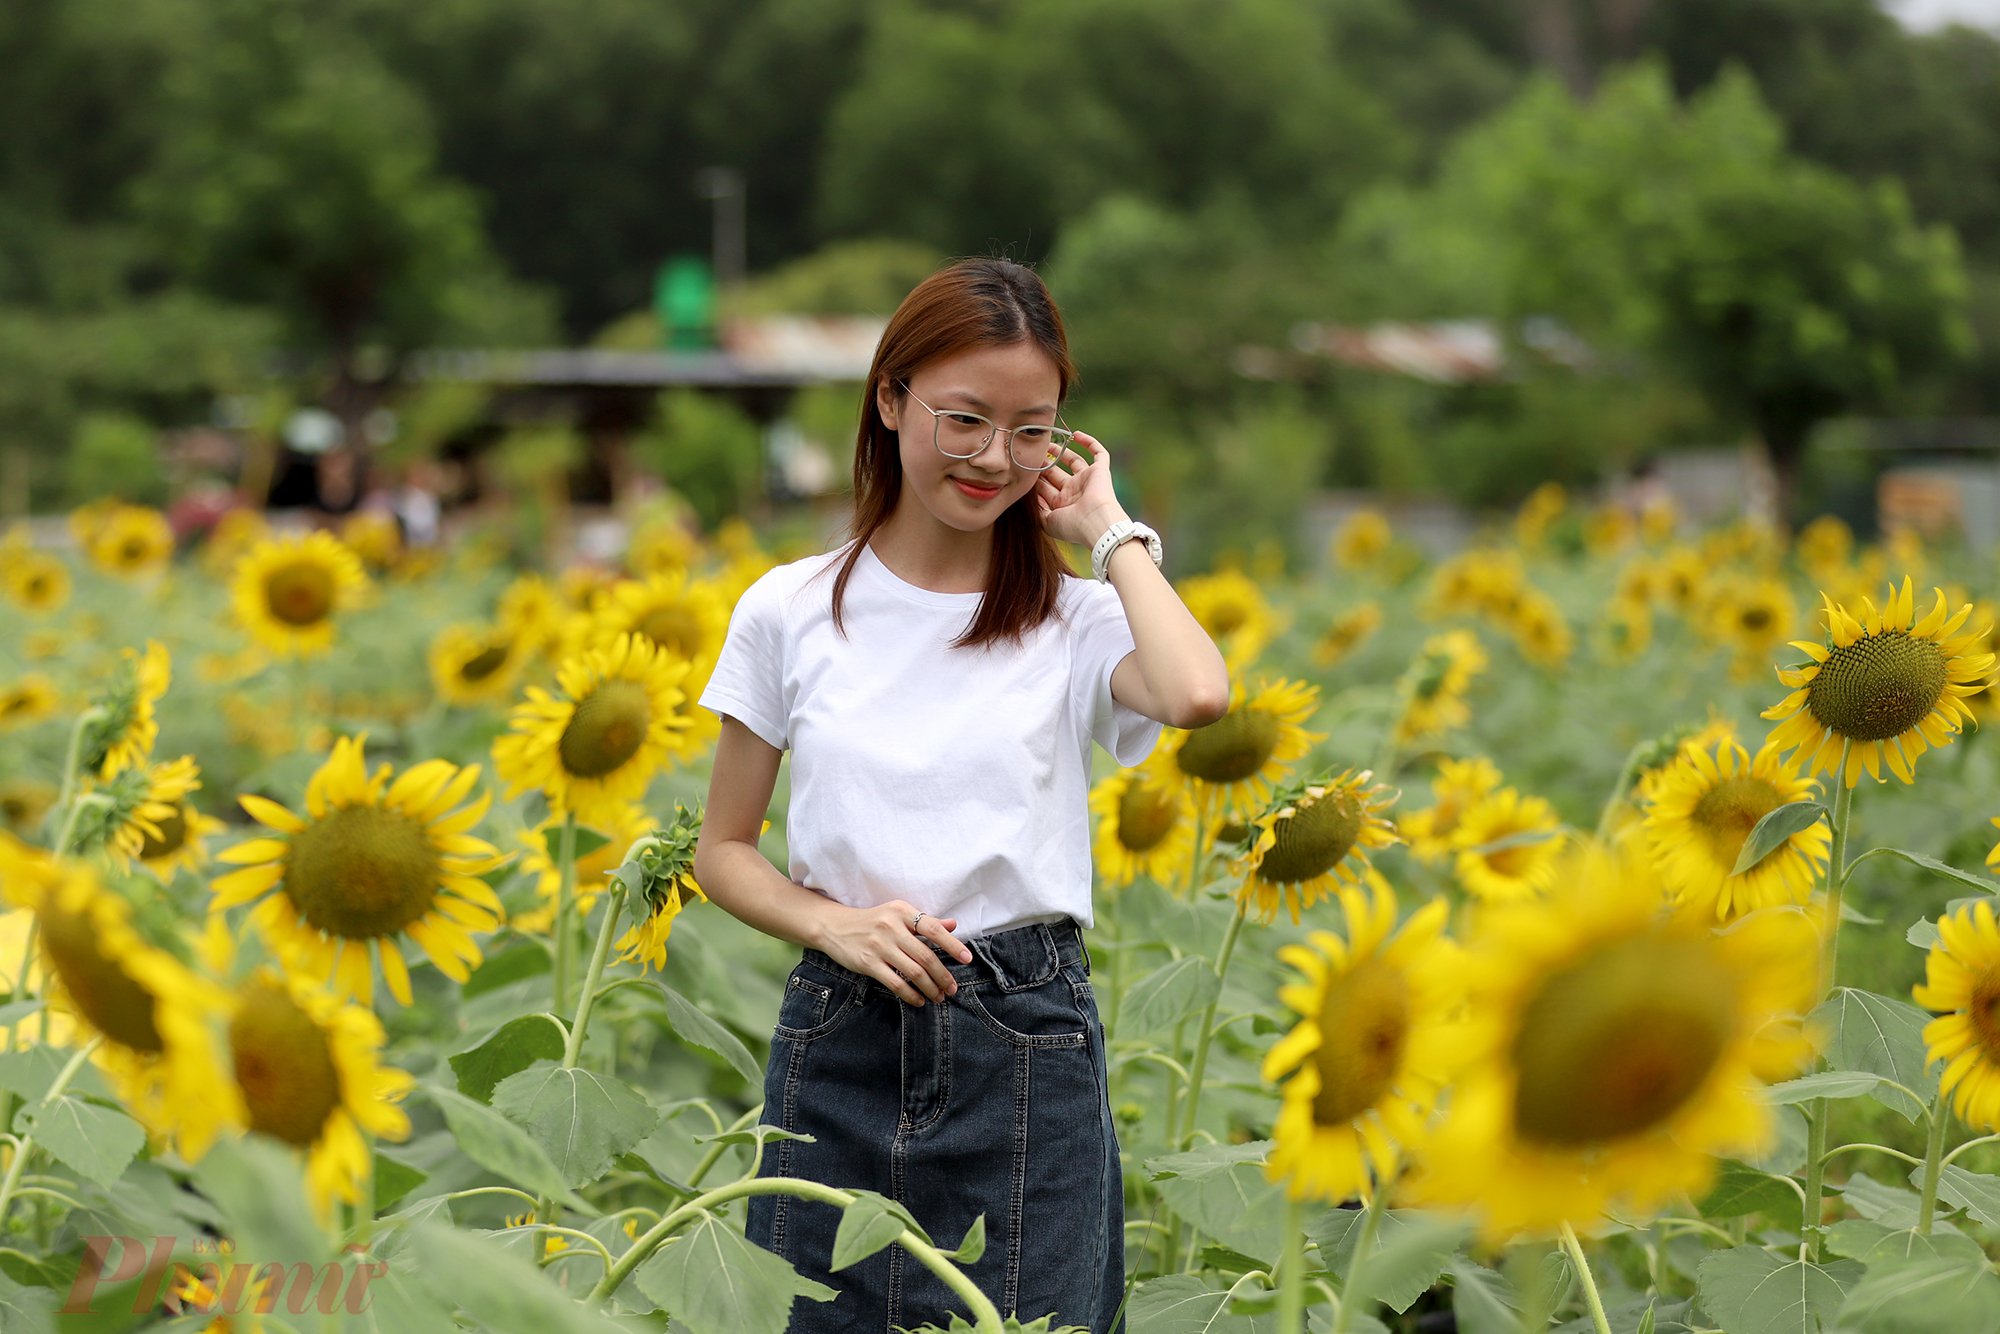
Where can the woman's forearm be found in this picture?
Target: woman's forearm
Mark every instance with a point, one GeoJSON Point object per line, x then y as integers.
{"type": "Point", "coordinates": [739, 879]}
{"type": "Point", "coordinates": [1185, 683]}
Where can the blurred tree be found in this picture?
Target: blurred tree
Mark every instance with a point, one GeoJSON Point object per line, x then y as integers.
{"type": "Point", "coordinates": [114, 453]}
{"type": "Point", "coordinates": [708, 449]}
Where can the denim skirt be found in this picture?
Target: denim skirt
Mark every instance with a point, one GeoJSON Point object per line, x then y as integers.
{"type": "Point", "coordinates": [991, 1103]}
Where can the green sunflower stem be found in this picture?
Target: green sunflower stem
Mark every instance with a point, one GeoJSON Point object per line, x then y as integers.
{"type": "Point", "coordinates": [74, 756]}
{"type": "Point", "coordinates": [1836, 871]}
{"type": "Point", "coordinates": [26, 1148]}
{"type": "Point", "coordinates": [565, 909]}
{"type": "Point", "coordinates": [1940, 1120]}
{"type": "Point", "coordinates": [1809, 1232]}
{"type": "Point", "coordinates": [1583, 1275]}
{"type": "Point", "coordinates": [1392, 735]}
{"type": "Point", "coordinates": [1199, 1070]}
{"type": "Point", "coordinates": [614, 905]}
{"type": "Point", "coordinates": [1612, 803]}
{"type": "Point", "coordinates": [1292, 1274]}
{"type": "Point", "coordinates": [20, 992]}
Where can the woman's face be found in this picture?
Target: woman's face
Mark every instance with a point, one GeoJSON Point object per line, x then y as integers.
{"type": "Point", "coordinates": [1013, 384]}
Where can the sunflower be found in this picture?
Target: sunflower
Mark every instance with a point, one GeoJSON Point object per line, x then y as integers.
{"type": "Point", "coordinates": [1480, 580]}
{"type": "Point", "coordinates": [1459, 786]}
{"type": "Point", "coordinates": [1377, 1018]}
{"type": "Point", "coordinates": [665, 886]}
{"type": "Point", "coordinates": [153, 1012]}
{"type": "Point", "coordinates": [1704, 806]}
{"type": "Point", "coordinates": [1625, 630]}
{"type": "Point", "coordinates": [1889, 683]}
{"type": "Point", "coordinates": [532, 612]}
{"type": "Point", "coordinates": [1233, 761]}
{"type": "Point", "coordinates": [37, 581]}
{"type": "Point", "coordinates": [1232, 609]}
{"type": "Point", "coordinates": [662, 547]}
{"type": "Point", "coordinates": [594, 747]}
{"type": "Point", "coordinates": [23, 803]}
{"type": "Point", "coordinates": [1962, 978]}
{"type": "Point", "coordinates": [307, 1066]}
{"type": "Point", "coordinates": [123, 733]}
{"type": "Point", "coordinates": [1824, 546]}
{"type": "Point", "coordinates": [1360, 540]}
{"type": "Point", "coordinates": [27, 700]}
{"type": "Point", "coordinates": [230, 537]}
{"type": "Point", "coordinates": [473, 665]}
{"type": "Point", "coordinates": [1984, 701]}
{"type": "Point", "coordinates": [1145, 826]}
{"type": "Point", "coordinates": [1658, 518]}
{"type": "Point", "coordinates": [374, 860]}
{"type": "Point", "coordinates": [1609, 530]}
{"type": "Point", "coordinates": [1349, 631]}
{"type": "Point", "coordinates": [285, 592]}
{"type": "Point", "coordinates": [544, 845]}
{"type": "Point", "coordinates": [132, 540]}
{"type": "Point", "coordinates": [140, 802]}
{"type": "Point", "coordinates": [374, 536]}
{"type": "Point", "coordinates": [1314, 839]}
{"type": "Point", "coordinates": [1540, 510]}
{"type": "Point", "coordinates": [1753, 615]}
{"type": "Point", "coordinates": [1507, 846]}
{"type": "Point", "coordinates": [87, 520]}
{"type": "Point", "coordinates": [1539, 630]}
{"type": "Point", "coordinates": [1438, 680]}
{"type": "Point", "coordinates": [1614, 1049]}
{"type": "Point", "coordinates": [681, 616]}
{"type": "Point", "coordinates": [1680, 580]}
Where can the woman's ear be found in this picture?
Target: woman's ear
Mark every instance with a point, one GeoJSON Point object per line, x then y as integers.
{"type": "Point", "coordinates": [887, 405]}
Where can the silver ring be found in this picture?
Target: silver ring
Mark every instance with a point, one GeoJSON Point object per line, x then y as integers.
{"type": "Point", "coordinates": [918, 918]}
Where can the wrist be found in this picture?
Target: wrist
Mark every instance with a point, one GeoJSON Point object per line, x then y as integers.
{"type": "Point", "coordinates": [1098, 521]}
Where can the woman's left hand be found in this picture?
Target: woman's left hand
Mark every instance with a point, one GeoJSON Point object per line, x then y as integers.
{"type": "Point", "coordinates": [1067, 502]}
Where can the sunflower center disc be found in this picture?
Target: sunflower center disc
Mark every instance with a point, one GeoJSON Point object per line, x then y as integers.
{"type": "Point", "coordinates": [1614, 1045]}
{"type": "Point", "coordinates": [484, 663]}
{"type": "Point", "coordinates": [1231, 748]}
{"type": "Point", "coordinates": [1146, 814]}
{"type": "Point", "coordinates": [1311, 841]}
{"type": "Point", "coordinates": [1227, 617]}
{"type": "Point", "coordinates": [1728, 812]}
{"type": "Point", "coordinates": [1984, 1014]}
{"type": "Point", "coordinates": [116, 1005]}
{"type": "Point", "coordinates": [362, 871]}
{"type": "Point", "coordinates": [299, 594]}
{"type": "Point", "coordinates": [290, 1083]}
{"type": "Point", "coordinates": [134, 550]}
{"type": "Point", "coordinates": [1756, 619]}
{"type": "Point", "coordinates": [607, 729]}
{"type": "Point", "coordinates": [673, 629]}
{"type": "Point", "coordinates": [1364, 1028]}
{"type": "Point", "coordinates": [1879, 686]}
{"type": "Point", "coordinates": [173, 833]}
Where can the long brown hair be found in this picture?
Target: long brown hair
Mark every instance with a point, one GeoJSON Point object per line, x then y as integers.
{"type": "Point", "coordinates": [972, 303]}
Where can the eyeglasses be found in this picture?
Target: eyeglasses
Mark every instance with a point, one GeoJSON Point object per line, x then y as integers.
{"type": "Point", "coordinates": [961, 435]}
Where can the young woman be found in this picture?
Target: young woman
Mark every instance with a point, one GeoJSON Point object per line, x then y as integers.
{"type": "Point", "coordinates": [939, 680]}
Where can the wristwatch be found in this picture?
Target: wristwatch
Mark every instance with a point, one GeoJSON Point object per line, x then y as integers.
{"type": "Point", "coordinates": [1122, 531]}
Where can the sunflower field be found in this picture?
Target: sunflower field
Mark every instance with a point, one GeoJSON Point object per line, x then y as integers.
{"type": "Point", "coordinates": [1522, 950]}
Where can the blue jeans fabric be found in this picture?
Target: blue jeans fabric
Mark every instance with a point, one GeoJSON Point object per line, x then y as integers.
{"type": "Point", "coordinates": [991, 1103]}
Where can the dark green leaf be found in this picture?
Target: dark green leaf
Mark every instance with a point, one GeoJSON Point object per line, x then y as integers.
{"type": "Point", "coordinates": [693, 1026]}
{"type": "Point", "coordinates": [1873, 1244]}
{"type": "Point", "coordinates": [1411, 1251]}
{"type": "Point", "coordinates": [394, 1180]}
{"type": "Point", "coordinates": [1750, 1290]}
{"type": "Point", "coordinates": [1185, 1304]}
{"type": "Point", "coordinates": [507, 1050]}
{"type": "Point", "coordinates": [586, 841]}
{"type": "Point", "coordinates": [1229, 1261]}
{"type": "Point", "coordinates": [1953, 1295]}
{"type": "Point", "coordinates": [98, 1142]}
{"type": "Point", "coordinates": [581, 1119]}
{"type": "Point", "coordinates": [1874, 1033]}
{"type": "Point", "coordinates": [1983, 884]}
{"type": "Point", "coordinates": [1482, 1301]}
{"type": "Point", "coordinates": [974, 1245]}
{"type": "Point", "coordinates": [1741, 1189]}
{"type": "Point", "coordinates": [1825, 1084]}
{"type": "Point", "coordinates": [1221, 1189]}
{"type": "Point", "coordinates": [1978, 1193]}
{"type": "Point", "coordinates": [497, 1144]}
{"type": "Point", "coordinates": [527, 959]}
{"type": "Point", "coordinates": [716, 1282]}
{"type": "Point", "coordinates": [1891, 1206]}
{"type": "Point", "coordinates": [871, 1222]}
{"type": "Point", "coordinates": [1166, 996]}
{"type": "Point", "coordinates": [1771, 832]}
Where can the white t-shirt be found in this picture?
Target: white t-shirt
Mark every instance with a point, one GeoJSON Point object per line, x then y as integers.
{"type": "Point", "coordinates": [956, 780]}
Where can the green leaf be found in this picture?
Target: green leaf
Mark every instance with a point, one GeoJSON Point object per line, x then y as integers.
{"type": "Point", "coordinates": [1221, 1189]}
{"type": "Point", "coordinates": [527, 959]}
{"type": "Point", "coordinates": [1771, 832]}
{"type": "Point", "coordinates": [1952, 1295]}
{"type": "Point", "coordinates": [1185, 1304]}
{"type": "Point", "coordinates": [1874, 1033]}
{"type": "Point", "coordinates": [1923, 933]}
{"type": "Point", "coordinates": [693, 1026]}
{"type": "Point", "coordinates": [98, 1142]}
{"type": "Point", "coordinates": [1978, 1193]}
{"type": "Point", "coordinates": [509, 1049]}
{"type": "Point", "coordinates": [498, 1145]}
{"type": "Point", "coordinates": [974, 1245]}
{"type": "Point", "coordinates": [498, 1286]}
{"type": "Point", "coordinates": [394, 1180]}
{"type": "Point", "coordinates": [1166, 996]}
{"type": "Point", "coordinates": [871, 1222]}
{"type": "Point", "coordinates": [716, 1281]}
{"type": "Point", "coordinates": [1482, 1301]}
{"type": "Point", "coordinates": [581, 1119]}
{"type": "Point", "coordinates": [1411, 1250]}
{"type": "Point", "coordinates": [1825, 1084]}
{"type": "Point", "coordinates": [13, 1012]}
{"type": "Point", "coordinates": [1228, 1261]}
{"type": "Point", "coordinates": [28, 1074]}
{"type": "Point", "coordinates": [1850, 913]}
{"type": "Point", "coordinates": [256, 1184]}
{"type": "Point", "coordinates": [1741, 1189]}
{"type": "Point", "coordinates": [585, 841]}
{"type": "Point", "coordinates": [26, 1310]}
{"type": "Point", "coordinates": [757, 1134]}
{"type": "Point", "coordinates": [1750, 1290]}
{"type": "Point", "coordinates": [1873, 1244]}
{"type": "Point", "coordinates": [1932, 864]}
{"type": "Point", "coordinates": [1787, 1152]}
{"type": "Point", "coordinates": [1891, 1206]}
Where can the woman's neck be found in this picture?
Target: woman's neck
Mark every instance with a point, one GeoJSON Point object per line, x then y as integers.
{"type": "Point", "coordinates": [921, 550]}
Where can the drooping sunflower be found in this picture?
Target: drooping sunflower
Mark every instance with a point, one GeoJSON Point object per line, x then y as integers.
{"type": "Point", "coordinates": [27, 700]}
{"type": "Point", "coordinates": [123, 733]}
{"type": "Point", "coordinates": [594, 747]}
{"type": "Point", "coordinates": [1459, 786]}
{"type": "Point", "coordinates": [152, 1010]}
{"type": "Point", "coordinates": [285, 592]}
{"type": "Point", "coordinates": [1145, 826]}
{"type": "Point", "coordinates": [472, 665]}
{"type": "Point", "coordinates": [681, 616]}
{"type": "Point", "coordinates": [1890, 683]}
{"type": "Point", "coordinates": [132, 541]}
{"type": "Point", "coordinates": [1702, 808]}
{"type": "Point", "coordinates": [1753, 616]}
{"type": "Point", "coordinates": [1233, 761]}
{"type": "Point", "coordinates": [1508, 846]}
{"type": "Point", "coordinates": [544, 848]}
{"type": "Point", "coordinates": [664, 886]}
{"type": "Point", "coordinates": [1614, 1049]}
{"type": "Point", "coordinates": [37, 581]}
{"type": "Point", "coordinates": [306, 1064]}
{"type": "Point", "coordinates": [369, 861]}
{"type": "Point", "coordinates": [1378, 1014]}
{"type": "Point", "coordinates": [1962, 978]}
{"type": "Point", "coordinates": [1360, 539]}
{"type": "Point", "coordinates": [1438, 680]}
{"type": "Point", "coordinates": [1230, 606]}
{"type": "Point", "coordinates": [1315, 838]}
{"type": "Point", "coordinates": [1349, 631]}
{"type": "Point", "coordinates": [139, 803]}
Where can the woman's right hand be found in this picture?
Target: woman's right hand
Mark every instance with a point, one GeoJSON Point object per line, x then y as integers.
{"type": "Point", "coordinates": [878, 942]}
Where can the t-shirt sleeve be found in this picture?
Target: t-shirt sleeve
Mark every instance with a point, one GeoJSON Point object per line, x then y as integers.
{"type": "Point", "coordinates": [748, 682]}
{"type": "Point", "coordinates": [1102, 639]}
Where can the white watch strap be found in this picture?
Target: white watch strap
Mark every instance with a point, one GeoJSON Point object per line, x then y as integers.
{"type": "Point", "coordinates": [1114, 536]}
